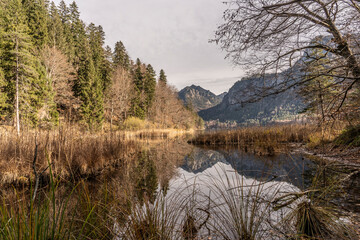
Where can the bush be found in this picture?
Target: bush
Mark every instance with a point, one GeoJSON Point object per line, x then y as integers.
{"type": "Point", "coordinates": [134, 123]}
{"type": "Point", "coordinates": [349, 137]}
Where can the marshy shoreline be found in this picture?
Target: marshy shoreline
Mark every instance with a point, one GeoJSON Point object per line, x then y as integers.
{"type": "Point", "coordinates": [123, 177]}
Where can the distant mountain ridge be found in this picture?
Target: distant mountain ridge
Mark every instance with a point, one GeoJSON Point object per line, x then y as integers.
{"type": "Point", "coordinates": [199, 98]}
{"type": "Point", "coordinates": [235, 106]}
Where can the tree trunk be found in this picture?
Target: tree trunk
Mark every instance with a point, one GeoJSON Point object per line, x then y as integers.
{"type": "Point", "coordinates": [17, 117]}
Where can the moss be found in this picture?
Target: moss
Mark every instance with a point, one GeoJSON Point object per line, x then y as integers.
{"type": "Point", "coordinates": [349, 137]}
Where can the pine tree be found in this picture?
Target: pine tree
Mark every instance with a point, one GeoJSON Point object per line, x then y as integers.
{"type": "Point", "coordinates": [109, 54]}
{"type": "Point", "coordinates": [97, 38]}
{"type": "Point", "coordinates": [162, 78]}
{"type": "Point", "coordinates": [88, 87]}
{"type": "Point", "coordinates": [68, 34]}
{"type": "Point", "coordinates": [64, 12]}
{"type": "Point", "coordinates": [78, 32]}
{"type": "Point", "coordinates": [27, 88]}
{"type": "Point", "coordinates": [121, 57]}
{"type": "Point", "coordinates": [36, 17]}
{"type": "Point", "coordinates": [56, 29]}
{"type": "Point", "coordinates": [149, 86]}
{"type": "Point", "coordinates": [138, 105]}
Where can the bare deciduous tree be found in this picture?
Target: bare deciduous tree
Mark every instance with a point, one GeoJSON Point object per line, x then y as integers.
{"type": "Point", "coordinates": [61, 73]}
{"type": "Point", "coordinates": [168, 110]}
{"type": "Point", "coordinates": [119, 95]}
{"type": "Point", "coordinates": [270, 36]}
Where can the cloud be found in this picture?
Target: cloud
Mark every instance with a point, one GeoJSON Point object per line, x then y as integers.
{"type": "Point", "coordinates": [169, 34]}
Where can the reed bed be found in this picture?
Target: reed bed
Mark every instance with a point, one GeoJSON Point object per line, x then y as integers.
{"type": "Point", "coordinates": [267, 140]}
{"type": "Point", "coordinates": [71, 154]}
{"type": "Point", "coordinates": [251, 135]}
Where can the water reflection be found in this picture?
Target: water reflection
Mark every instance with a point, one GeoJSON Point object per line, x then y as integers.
{"type": "Point", "coordinates": [292, 168]}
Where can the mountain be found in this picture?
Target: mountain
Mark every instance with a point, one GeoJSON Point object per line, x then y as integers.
{"type": "Point", "coordinates": [199, 98]}
{"type": "Point", "coordinates": [239, 106]}
{"type": "Point", "coordinates": [222, 95]}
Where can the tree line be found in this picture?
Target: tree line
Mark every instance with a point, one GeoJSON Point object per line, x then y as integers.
{"type": "Point", "coordinates": [55, 67]}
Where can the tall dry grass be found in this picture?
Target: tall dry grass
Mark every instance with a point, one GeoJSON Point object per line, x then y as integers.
{"type": "Point", "coordinates": [268, 140]}
{"type": "Point", "coordinates": [260, 140]}
{"type": "Point", "coordinates": [70, 152]}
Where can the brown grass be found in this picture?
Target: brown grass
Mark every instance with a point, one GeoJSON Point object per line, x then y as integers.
{"type": "Point", "coordinates": [260, 140]}
{"type": "Point", "coordinates": [70, 152]}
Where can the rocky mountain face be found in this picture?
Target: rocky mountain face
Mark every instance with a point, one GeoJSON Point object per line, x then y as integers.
{"type": "Point", "coordinates": [199, 98]}
{"type": "Point", "coordinates": [245, 104]}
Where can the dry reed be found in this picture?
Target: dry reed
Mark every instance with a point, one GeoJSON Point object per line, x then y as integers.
{"type": "Point", "coordinates": [70, 152]}
{"type": "Point", "coordinates": [261, 140]}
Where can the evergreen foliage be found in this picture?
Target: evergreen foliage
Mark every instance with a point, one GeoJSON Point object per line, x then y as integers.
{"type": "Point", "coordinates": [52, 64]}
{"type": "Point", "coordinates": [21, 64]}
{"type": "Point", "coordinates": [121, 56]}
{"type": "Point", "coordinates": [36, 18]}
{"type": "Point", "coordinates": [89, 90]}
{"type": "Point", "coordinates": [55, 28]}
{"type": "Point", "coordinates": [150, 86]}
{"type": "Point", "coordinates": [163, 77]}
{"type": "Point", "coordinates": [138, 106]}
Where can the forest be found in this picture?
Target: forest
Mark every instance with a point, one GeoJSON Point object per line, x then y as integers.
{"type": "Point", "coordinates": [54, 68]}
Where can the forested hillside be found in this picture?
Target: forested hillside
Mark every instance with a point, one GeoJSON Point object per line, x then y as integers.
{"type": "Point", "coordinates": [54, 67]}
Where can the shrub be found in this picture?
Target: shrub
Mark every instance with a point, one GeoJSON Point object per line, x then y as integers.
{"type": "Point", "coordinates": [349, 137]}
{"type": "Point", "coordinates": [134, 123]}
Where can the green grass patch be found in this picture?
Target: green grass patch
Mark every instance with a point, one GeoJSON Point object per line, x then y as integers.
{"type": "Point", "coordinates": [349, 137]}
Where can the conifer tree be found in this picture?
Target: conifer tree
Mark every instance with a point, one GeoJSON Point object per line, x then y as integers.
{"type": "Point", "coordinates": [138, 105]}
{"type": "Point", "coordinates": [109, 54]}
{"type": "Point", "coordinates": [162, 77]}
{"type": "Point", "coordinates": [64, 13]}
{"type": "Point", "coordinates": [36, 18]}
{"type": "Point", "coordinates": [88, 88]}
{"type": "Point", "coordinates": [56, 29]}
{"type": "Point", "coordinates": [149, 86]}
{"type": "Point", "coordinates": [27, 88]}
{"type": "Point", "coordinates": [78, 32]}
{"type": "Point", "coordinates": [121, 57]}
{"type": "Point", "coordinates": [97, 38]}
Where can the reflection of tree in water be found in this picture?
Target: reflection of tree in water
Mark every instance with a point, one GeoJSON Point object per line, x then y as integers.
{"type": "Point", "coordinates": [168, 155]}
{"type": "Point", "coordinates": [154, 167]}
{"type": "Point", "coordinates": [145, 178]}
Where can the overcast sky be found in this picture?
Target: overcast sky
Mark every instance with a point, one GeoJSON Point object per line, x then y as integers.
{"type": "Point", "coordinates": [168, 34]}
